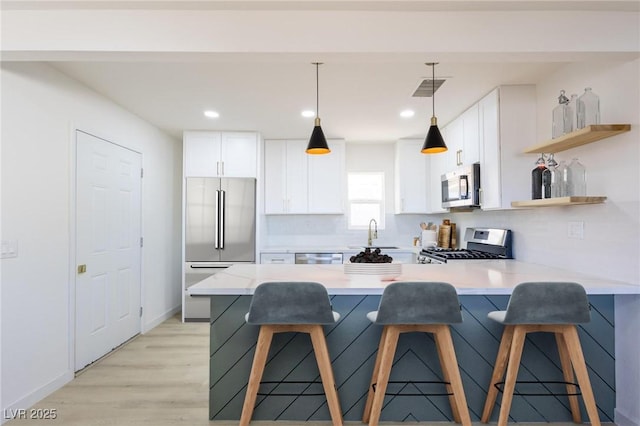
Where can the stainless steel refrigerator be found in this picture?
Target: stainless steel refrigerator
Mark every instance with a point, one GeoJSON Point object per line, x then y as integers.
{"type": "Point", "coordinates": [220, 230]}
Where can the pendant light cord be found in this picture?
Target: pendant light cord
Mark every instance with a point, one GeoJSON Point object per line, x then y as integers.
{"type": "Point", "coordinates": [317, 92]}
{"type": "Point", "coordinates": [433, 89]}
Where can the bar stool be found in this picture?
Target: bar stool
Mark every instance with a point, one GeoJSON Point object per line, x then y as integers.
{"type": "Point", "coordinates": [280, 307]}
{"type": "Point", "coordinates": [427, 307]}
{"type": "Point", "coordinates": [553, 307]}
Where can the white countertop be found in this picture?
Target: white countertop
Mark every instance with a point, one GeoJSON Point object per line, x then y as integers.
{"type": "Point", "coordinates": [479, 277]}
{"type": "Point", "coordinates": [335, 249]}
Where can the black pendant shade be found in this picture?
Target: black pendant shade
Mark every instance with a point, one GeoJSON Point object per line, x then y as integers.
{"type": "Point", "coordinates": [317, 142]}
{"type": "Point", "coordinates": [433, 143]}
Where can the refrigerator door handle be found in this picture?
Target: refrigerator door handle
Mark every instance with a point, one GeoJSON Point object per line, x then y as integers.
{"type": "Point", "coordinates": [216, 230]}
{"type": "Point", "coordinates": [221, 216]}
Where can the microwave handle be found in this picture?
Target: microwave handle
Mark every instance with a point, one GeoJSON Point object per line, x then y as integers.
{"type": "Point", "coordinates": [464, 187]}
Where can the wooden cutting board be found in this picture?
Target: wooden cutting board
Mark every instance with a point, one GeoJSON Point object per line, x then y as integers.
{"type": "Point", "coordinates": [444, 236]}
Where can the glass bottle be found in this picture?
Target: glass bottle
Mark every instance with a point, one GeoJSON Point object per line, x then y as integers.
{"type": "Point", "coordinates": [588, 108]}
{"type": "Point", "coordinates": [559, 180]}
{"type": "Point", "coordinates": [536, 178]}
{"type": "Point", "coordinates": [559, 115]}
{"type": "Point", "coordinates": [571, 120]}
{"type": "Point", "coordinates": [547, 177]}
{"type": "Point", "coordinates": [577, 179]}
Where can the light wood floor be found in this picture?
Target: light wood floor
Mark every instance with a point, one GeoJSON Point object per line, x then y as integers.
{"type": "Point", "coordinates": [160, 379]}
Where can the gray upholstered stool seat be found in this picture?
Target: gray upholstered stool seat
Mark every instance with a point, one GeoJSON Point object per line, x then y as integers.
{"type": "Point", "coordinates": [427, 307]}
{"type": "Point", "coordinates": [279, 307]}
{"type": "Point", "coordinates": [554, 307]}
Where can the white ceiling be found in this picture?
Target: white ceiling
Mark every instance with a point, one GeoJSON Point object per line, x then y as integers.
{"type": "Point", "coordinates": [362, 90]}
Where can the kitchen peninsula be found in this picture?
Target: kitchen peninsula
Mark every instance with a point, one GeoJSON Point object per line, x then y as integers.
{"type": "Point", "coordinates": [483, 286]}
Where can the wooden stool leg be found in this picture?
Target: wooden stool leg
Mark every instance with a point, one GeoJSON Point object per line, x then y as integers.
{"type": "Point", "coordinates": [326, 373]}
{"type": "Point", "coordinates": [515, 355]}
{"type": "Point", "coordinates": [445, 343]}
{"type": "Point", "coordinates": [388, 352]}
{"type": "Point", "coordinates": [498, 372]}
{"type": "Point", "coordinates": [447, 378]}
{"type": "Point", "coordinates": [567, 372]}
{"type": "Point", "coordinates": [259, 361]}
{"type": "Point", "coordinates": [376, 368]}
{"type": "Point", "coordinates": [579, 366]}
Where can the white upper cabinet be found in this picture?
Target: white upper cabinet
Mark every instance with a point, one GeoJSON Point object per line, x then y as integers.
{"type": "Point", "coordinates": [411, 177]}
{"type": "Point", "coordinates": [463, 140]}
{"type": "Point", "coordinates": [220, 154]}
{"type": "Point", "coordinates": [327, 180]}
{"type": "Point", "coordinates": [507, 126]}
{"type": "Point", "coordinates": [285, 176]}
{"type": "Point", "coordinates": [299, 183]}
{"type": "Point", "coordinates": [471, 139]}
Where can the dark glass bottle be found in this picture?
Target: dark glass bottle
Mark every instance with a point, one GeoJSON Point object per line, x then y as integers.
{"type": "Point", "coordinates": [536, 178]}
{"type": "Point", "coordinates": [547, 177]}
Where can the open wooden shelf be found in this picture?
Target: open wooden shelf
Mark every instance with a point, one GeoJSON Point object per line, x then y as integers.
{"type": "Point", "coordinates": [560, 201]}
{"type": "Point", "coordinates": [583, 136]}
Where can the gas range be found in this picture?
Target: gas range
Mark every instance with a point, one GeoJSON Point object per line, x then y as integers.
{"type": "Point", "coordinates": [482, 243]}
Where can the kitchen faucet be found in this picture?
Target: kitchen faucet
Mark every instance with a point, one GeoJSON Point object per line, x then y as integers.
{"type": "Point", "coordinates": [374, 234]}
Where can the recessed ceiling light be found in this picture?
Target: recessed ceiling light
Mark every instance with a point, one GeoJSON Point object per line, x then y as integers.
{"type": "Point", "coordinates": [308, 113]}
{"type": "Point", "coordinates": [211, 114]}
{"type": "Point", "coordinates": [407, 113]}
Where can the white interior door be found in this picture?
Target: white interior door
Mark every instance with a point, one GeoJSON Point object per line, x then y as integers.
{"type": "Point", "coordinates": [108, 232]}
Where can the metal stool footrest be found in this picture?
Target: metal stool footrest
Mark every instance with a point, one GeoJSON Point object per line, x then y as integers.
{"type": "Point", "coordinates": [414, 383]}
{"type": "Point", "coordinates": [541, 382]}
{"type": "Point", "coordinates": [303, 393]}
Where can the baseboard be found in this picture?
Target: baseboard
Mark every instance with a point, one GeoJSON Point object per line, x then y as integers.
{"type": "Point", "coordinates": [622, 420]}
{"type": "Point", "coordinates": [36, 396]}
{"type": "Point", "coordinates": [160, 319]}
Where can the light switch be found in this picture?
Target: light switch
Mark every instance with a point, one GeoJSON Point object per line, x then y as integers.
{"type": "Point", "coordinates": [9, 248]}
{"type": "Point", "coordinates": [576, 230]}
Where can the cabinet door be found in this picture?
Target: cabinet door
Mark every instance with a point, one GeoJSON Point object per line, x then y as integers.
{"type": "Point", "coordinates": [455, 143]}
{"type": "Point", "coordinates": [201, 154]}
{"type": "Point", "coordinates": [471, 138]}
{"type": "Point", "coordinates": [239, 152]}
{"type": "Point", "coordinates": [411, 177]}
{"type": "Point", "coordinates": [275, 176]}
{"type": "Point", "coordinates": [277, 258]}
{"type": "Point", "coordinates": [296, 168]}
{"type": "Point", "coordinates": [491, 192]}
{"type": "Point", "coordinates": [326, 180]}
{"type": "Point", "coordinates": [285, 177]}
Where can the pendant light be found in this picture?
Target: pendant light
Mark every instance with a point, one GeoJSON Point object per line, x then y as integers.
{"type": "Point", "coordinates": [433, 143]}
{"type": "Point", "coordinates": [317, 142]}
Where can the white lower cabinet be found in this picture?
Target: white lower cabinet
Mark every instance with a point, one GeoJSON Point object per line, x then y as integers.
{"type": "Point", "coordinates": [299, 183]}
{"type": "Point", "coordinates": [277, 258]}
{"type": "Point", "coordinates": [507, 127]}
{"type": "Point", "coordinates": [411, 177]}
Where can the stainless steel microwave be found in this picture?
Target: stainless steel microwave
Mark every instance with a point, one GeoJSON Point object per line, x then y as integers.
{"type": "Point", "coordinates": [461, 187]}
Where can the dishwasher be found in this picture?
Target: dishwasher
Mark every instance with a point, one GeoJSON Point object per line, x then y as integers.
{"type": "Point", "coordinates": [318, 258]}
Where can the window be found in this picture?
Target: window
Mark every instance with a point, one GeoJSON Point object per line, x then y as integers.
{"type": "Point", "coordinates": [365, 193]}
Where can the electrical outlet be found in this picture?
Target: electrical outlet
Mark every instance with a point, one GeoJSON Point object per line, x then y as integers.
{"type": "Point", "coordinates": [575, 230]}
{"type": "Point", "coordinates": [9, 249]}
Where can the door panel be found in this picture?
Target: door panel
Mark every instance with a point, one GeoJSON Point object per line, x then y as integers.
{"type": "Point", "coordinates": [239, 220]}
{"type": "Point", "coordinates": [201, 218]}
{"type": "Point", "coordinates": [108, 230]}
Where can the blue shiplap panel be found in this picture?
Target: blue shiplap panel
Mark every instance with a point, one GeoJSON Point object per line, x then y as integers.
{"type": "Point", "coordinates": [353, 343]}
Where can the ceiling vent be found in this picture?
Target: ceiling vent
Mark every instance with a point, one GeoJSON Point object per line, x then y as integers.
{"type": "Point", "coordinates": [427, 88]}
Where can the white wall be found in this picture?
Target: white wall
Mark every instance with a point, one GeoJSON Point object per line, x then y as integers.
{"type": "Point", "coordinates": [40, 110]}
